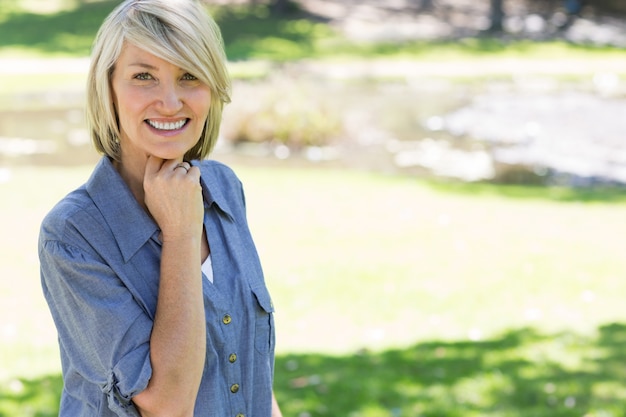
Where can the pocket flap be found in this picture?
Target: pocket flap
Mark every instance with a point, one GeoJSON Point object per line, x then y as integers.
{"type": "Point", "coordinates": [264, 299]}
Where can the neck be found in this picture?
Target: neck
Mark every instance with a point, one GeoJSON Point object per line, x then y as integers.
{"type": "Point", "coordinates": [133, 177]}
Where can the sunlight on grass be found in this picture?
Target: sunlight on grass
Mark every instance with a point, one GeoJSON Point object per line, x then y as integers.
{"type": "Point", "coordinates": [14, 84]}
{"type": "Point", "coordinates": [26, 328]}
{"type": "Point", "coordinates": [410, 253]}
{"type": "Point", "coordinates": [393, 297]}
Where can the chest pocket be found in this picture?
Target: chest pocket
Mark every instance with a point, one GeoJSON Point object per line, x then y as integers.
{"type": "Point", "coordinates": [264, 334]}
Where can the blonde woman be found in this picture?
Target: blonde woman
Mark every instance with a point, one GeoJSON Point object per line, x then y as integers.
{"type": "Point", "coordinates": [149, 269]}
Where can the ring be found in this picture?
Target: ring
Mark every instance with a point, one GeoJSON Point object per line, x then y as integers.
{"type": "Point", "coordinates": [182, 165]}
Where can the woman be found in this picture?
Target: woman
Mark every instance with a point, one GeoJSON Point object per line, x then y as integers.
{"type": "Point", "coordinates": [149, 269]}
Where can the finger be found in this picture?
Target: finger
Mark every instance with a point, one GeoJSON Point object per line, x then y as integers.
{"type": "Point", "coordinates": [182, 166]}
{"type": "Point", "coordinates": [153, 165]}
{"type": "Point", "coordinates": [194, 171]}
{"type": "Point", "coordinates": [170, 165]}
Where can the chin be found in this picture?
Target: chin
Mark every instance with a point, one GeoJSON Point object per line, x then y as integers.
{"type": "Point", "coordinates": [170, 153]}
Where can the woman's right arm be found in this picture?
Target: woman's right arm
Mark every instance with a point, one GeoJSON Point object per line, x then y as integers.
{"type": "Point", "coordinates": [178, 339]}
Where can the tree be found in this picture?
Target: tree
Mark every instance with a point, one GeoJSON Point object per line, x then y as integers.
{"type": "Point", "coordinates": [496, 16]}
{"type": "Point", "coordinates": [279, 6]}
{"type": "Point", "coordinates": [427, 5]}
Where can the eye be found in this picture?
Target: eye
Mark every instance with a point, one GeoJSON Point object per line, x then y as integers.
{"type": "Point", "coordinates": [189, 77]}
{"type": "Point", "coordinates": [142, 76]}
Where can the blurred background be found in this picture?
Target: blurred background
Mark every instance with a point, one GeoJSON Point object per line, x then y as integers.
{"type": "Point", "coordinates": [436, 189]}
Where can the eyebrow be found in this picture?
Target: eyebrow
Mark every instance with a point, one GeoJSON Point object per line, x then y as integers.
{"type": "Point", "coordinates": [142, 65]}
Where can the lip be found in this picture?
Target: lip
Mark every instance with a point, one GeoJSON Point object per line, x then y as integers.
{"type": "Point", "coordinates": [163, 132]}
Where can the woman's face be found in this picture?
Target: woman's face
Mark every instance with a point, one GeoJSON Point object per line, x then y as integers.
{"type": "Point", "coordinates": [161, 108]}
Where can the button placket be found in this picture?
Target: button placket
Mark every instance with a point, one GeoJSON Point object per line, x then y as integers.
{"type": "Point", "coordinates": [230, 324]}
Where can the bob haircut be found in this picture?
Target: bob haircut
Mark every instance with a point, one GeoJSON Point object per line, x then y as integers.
{"type": "Point", "coordinates": [178, 31]}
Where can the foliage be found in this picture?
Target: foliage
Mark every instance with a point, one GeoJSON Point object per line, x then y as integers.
{"type": "Point", "coordinates": [286, 114]}
{"type": "Point", "coordinates": [37, 397]}
{"type": "Point", "coordinates": [587, 195]}
{"type": "Point", "coordinates": [252, 32]}
{"type": "Point", "coordinates": [68, 32]}
{"type": "Point", "coordinates": [249, 31]}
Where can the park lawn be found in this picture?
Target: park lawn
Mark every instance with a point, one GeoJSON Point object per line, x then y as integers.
{"type": "Point", "coordinates": [23, 84]}
{"type": "Point", "coordinates": [394, 296]}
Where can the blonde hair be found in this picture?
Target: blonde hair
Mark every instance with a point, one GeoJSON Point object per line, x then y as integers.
{"type": "Point", "coordinates": [178, 31]}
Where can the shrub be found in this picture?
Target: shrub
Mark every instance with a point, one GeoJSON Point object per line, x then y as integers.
{"type": "Point", "coordinates": [281, 111]}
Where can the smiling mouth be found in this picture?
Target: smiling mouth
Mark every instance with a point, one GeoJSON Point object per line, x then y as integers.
{"type": "Point", "coordinates": [168, 126]}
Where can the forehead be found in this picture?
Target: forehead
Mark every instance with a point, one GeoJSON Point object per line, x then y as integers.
{"type": "Point", "coordinates": [131, 53]}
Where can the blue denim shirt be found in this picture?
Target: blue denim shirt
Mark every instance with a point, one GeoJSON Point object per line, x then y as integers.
{"type": "Point", "coordinates": [100, 257]}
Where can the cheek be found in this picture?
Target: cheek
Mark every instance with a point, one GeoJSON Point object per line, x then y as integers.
{"type": "Point", "coordinates": [129, 107]}
{"type": "Point", "coordinates": [126, 101]}
{"type": "Point", "coordinates": [203, 100]}
{"type": "Point", "coordinates": [126, 119]}
{"type": "Point", "coordinates": [117, 97]}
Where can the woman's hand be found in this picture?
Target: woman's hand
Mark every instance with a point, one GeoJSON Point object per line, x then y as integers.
{"type": "Point", "coordinates": [173, 196]}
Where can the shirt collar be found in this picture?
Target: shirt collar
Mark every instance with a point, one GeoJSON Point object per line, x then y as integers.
{"type": "Point", "coordinates": [130, 224]}
{"type": "Point", "coordinates": [212, 192]}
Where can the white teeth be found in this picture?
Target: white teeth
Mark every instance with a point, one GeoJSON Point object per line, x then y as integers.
{"type": "Point", "coordinates": [167, 126]}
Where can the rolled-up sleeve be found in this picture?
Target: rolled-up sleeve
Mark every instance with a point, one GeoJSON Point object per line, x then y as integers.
{"type": "Point", "coordinates": [103, 331]}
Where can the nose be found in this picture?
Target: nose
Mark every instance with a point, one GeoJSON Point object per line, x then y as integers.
{"type": "Point", "coordinates": [171, 99]}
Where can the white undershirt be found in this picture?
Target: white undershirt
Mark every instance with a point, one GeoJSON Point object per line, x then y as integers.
{"type": "Point", "coordinates": [207, 268]}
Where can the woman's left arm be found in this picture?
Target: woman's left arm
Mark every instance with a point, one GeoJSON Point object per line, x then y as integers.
{"type": "Point", "coordinates": [275, 409]}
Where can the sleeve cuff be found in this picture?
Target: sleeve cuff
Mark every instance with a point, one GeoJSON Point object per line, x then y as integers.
{"type": "Point", "coordinates": [129, 377]}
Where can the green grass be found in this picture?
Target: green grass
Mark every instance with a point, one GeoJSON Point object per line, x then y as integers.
{"type": "Point", "coordinates": [517, 374]}
{"type": "Point", "coordinates": [67, 32]}
{"type": "Point", "coordinates": [394, 297]}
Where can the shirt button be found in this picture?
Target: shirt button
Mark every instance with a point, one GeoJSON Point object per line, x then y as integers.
{"type": "Point", "coordinates": [232, 358]}
{"type": "Point", "coordinates": [234, 388]}
{"type": "Point", "coordinates": [226, 319]}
